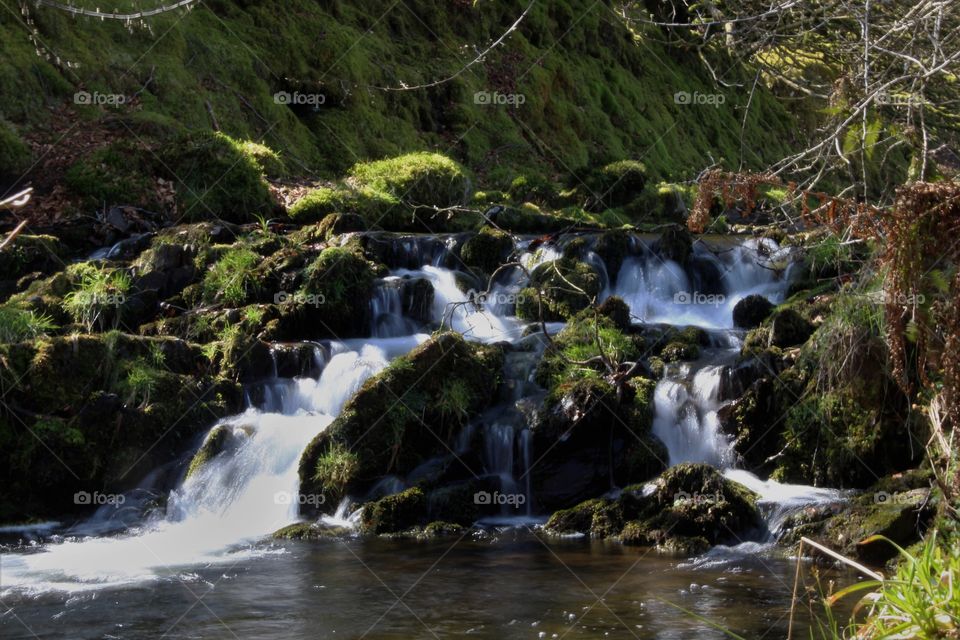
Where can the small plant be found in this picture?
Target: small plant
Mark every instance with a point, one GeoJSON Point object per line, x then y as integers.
{"type": "Point", "coordinates": [336, 467]}
{"type": "Point", "coordinates": [231, 279]}
{"type": "Point", "coordinates": [99, 298]}
{"type": "Point", "coordinates": [140, 382]}
{"type": "Point", "coordinates": [921, 601]}
{"type": "Point", "coordinates": [23, 324]}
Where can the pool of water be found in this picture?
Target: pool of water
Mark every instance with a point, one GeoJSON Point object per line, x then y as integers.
{"type": "Point", "coordinates": [516, 584]}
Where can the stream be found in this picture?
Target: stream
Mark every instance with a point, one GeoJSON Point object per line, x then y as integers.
{"type": "Point", "coordinates": [205, 566]}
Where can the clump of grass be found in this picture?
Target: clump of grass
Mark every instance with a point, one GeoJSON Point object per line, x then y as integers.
{"type": "Point", "coordinates": [18, 324]}
{"type": "Point", "coordinates": [336, 467]}
{"type": "Point", "coordinates": [922, 600]}
{"type": "Point", "coordinates": [231, 279]}
{"type": "Point", "coordinates": [98, 300]}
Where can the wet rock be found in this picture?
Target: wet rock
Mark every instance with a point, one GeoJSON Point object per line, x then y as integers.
{"type": "Point", "coordinates": [618, 311]}
{"type": "Point", "coordinates": [401, 417]}
{"type": "Point", "coordinates": [586, 437]}
{"type": "Point", "coordinates": [690, 507]}
{"type": "Point", "coordinates": [613, 247]}
{"type": "Point", "coordinates": [335, 224]}
{"type": "Point", "coordinates": [394, 513]}
{"type": "Point", "coordinates": [788, 328]}
{"type": "Point", "coordinates": [751, 311]}
{"type": "Point", "coordinates": [417, 295]}
{"type": "Point", "coordinates": [487, 250]}
{"type": "Point", "coordinates": [851, 528]}
{"type": "Point", "coordinates": [675, 244]}
{"type": "Point", "coordinates": [565, 287]}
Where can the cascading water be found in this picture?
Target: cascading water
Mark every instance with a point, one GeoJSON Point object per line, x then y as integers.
{"type": "Point", "coordinates": [687, 398]}
{"type": "Point", "coordinates": [251, 490]}
{"type": "Point", "coordinates": [233, 500]}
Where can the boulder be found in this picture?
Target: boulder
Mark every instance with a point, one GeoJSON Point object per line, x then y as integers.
{"type": "Point", "coordinates": [408, 413]}
{"type": "Point", "coordinates": [751, 311]}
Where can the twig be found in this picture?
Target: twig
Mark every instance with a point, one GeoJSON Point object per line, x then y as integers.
{"type": "Point", "coordinates": [13, 234]}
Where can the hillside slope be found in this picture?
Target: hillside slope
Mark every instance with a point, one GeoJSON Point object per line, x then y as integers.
{"type": "Point", "coordinates": [576, 87]}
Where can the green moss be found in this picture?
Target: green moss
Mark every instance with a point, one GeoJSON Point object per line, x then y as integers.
{"type": "Point", "coordinates": [395, 513]}
{"type": "Point", "coordinates": [565, 287]}
{"type": "Point", "coordinates": [417, 179]}
{"type": "Point", "coordinates": [487, 250]}
{"type": "Point", "coordinates": [212, 446]}
{"type": "Point", "coordinates": [370, 204]}
{"type": "Point", "coordinates": [217, 178]}
{"type": "Point", "coordinates": [394, 422]}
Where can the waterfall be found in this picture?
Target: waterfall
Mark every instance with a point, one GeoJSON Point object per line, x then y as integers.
{"type": "Point", "coordinates": [215, 515]}
{"type": "Point", "coordinates": [688, 396]}
{"type": "Point", "coordinates": [250, 490]}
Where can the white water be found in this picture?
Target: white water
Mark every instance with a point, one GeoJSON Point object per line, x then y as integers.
{"type": "Point", "coordinates": [687, 399]}
{"type": "Point", "coordinates": [215, 516]}
{"type": "Point", "coordinates": [660, 291]}
{"type": "Point", "coordinates": [236, 499]}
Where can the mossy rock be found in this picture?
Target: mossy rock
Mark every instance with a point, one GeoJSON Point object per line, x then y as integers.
{"type": "Point", "coordinates": [675, 244]}
{"type": "Point", "coordinates": [587, 433]}
{"type": "Point", "coordinates": [427, 179]}
{"type": "Point", "coordinates": [565, 286]}
{"type": "Point", "coordinates": [333, 298]}
{"type": "Point", "coordinates": [530, 219]}
{"type": "Point", "coordinates": [616, 184]}
{"type": "Point", "coordinates": [31, 254]}
{"type": "Point", "coordinates": [376, 208]}
{"type": "Point", "coordinates": [852, 527]}
{"type": "Point", "coordinates": [402, 416]}
{"type": "Point", "coordinates": [695, 501]}
{"type": "Point", "coordinates": [533, 188]}
{"type": "Point", "coordinates": [111, 407]}
{"type": "Point", "coordinates": [613, 247]}
{"type": "Point", "coordinates": [217, 178]}
{"type": "Point", "coordinates": [577, 342]}
{"type": "Point", "coordinates": [394, 513]}
{"type": "Point", "coordinates": [334, 224]}
{"type": "Point", "coordinates": [691, 507]}
{"type": "Point", "coordinates": [752, 310]}
{"type": "Point", "coordinates": [310, 531]}
{"type": "Point", "coordinates": [679, 351]}
{"type": "Point", "coordinates": [618, 311]}
{"type": "Point", "coordinates": [213, 445]}
{"type": "Point", "coordinates": [788, 328]}
{"type": "Point", "coordinates": [487, 250]}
